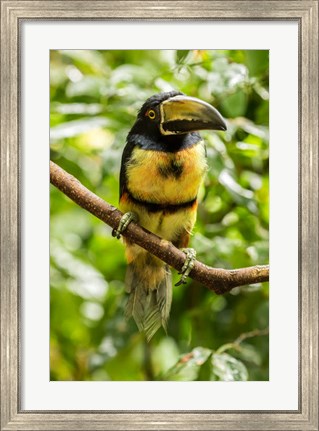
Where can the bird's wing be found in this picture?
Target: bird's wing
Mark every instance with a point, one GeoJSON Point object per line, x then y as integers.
{"type": "Point", "coordinates": [127, 153]}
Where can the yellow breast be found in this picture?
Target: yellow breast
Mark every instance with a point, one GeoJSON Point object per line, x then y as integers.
{"type": "Point", "coordinates": [160, 177]}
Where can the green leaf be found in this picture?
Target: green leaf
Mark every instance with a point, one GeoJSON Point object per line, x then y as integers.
{"type": "Point", "coordinates": [235, 105]}
{"type": "Point", "coordinates": [249, 353]}
{"type": "Point", "coordinates": [205, 370]}
{"type": "Point", "coordinates": [257, 61]}
{"type": "Point", "coordinates": [238, 192]}
{"type": "Point", "coordinates": [165, 355]}
{"type": "Point", "coordinates": [228, 369]}
{"type": "Point", "coordinates": [76, 127]}
{"type": "Point", "coordinates": [181, 55]}
{"type": "Point", "coordinates": [89, 86]}
{"type": "Point", "coordinates": [77, 108]}
{"type": "Point", "coordinates": [187, 368]}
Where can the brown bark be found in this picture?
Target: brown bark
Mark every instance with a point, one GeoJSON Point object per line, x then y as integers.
{"type": "Point", "coordinates": [218, 280]}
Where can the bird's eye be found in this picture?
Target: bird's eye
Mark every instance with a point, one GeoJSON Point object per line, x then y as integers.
{"type": "Point", "coordinates": [151, 114]}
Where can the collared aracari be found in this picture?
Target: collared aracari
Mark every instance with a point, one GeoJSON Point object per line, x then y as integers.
{"type": "Point", "coordinates": [163, 165]}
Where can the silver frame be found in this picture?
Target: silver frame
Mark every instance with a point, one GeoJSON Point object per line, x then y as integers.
{"type": "Point", "coordinates": [306, 14]}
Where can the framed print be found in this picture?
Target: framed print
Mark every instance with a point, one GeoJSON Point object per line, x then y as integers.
{"type": "Point", "coordinates": [74, 76]}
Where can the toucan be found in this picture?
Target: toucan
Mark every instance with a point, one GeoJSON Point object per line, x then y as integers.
{"type": "Point", "coordinates": [163, 165]}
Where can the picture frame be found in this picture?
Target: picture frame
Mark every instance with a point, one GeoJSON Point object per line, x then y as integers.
{"type": "Point", "coordinates": [13, 13]}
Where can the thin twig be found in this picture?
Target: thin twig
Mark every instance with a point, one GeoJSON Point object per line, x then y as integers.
{"type": "Point", "coordinates": [236, 344]}
{"type": "Point", "coordinates": [218, 280]}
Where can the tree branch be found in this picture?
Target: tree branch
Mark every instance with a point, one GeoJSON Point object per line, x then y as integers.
{"type": "Point", "coordinates": [218, 280]}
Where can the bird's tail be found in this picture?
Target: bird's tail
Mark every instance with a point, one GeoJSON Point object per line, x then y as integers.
{"type": "Point", "coordinates": [148, 281]}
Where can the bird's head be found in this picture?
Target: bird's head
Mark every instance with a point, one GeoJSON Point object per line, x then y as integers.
{"type": "Point", "coordinates": [174, 113]}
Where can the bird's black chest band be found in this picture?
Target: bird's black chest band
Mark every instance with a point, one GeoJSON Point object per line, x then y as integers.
{"type": "Point", "coordinates": [165, 207]}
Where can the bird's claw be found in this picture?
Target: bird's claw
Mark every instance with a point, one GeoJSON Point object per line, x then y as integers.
{"type": "Point", "coordinates": [188, 265]}
{"type": "Point", "coordinates": [124, 222]}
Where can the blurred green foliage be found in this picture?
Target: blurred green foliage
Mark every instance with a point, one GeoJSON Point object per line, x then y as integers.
{"type": "Point", "coordinates": [95, 96]}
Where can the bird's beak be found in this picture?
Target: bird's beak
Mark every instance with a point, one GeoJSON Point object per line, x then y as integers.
{"type": "Point", "coordinates": [183, 114]}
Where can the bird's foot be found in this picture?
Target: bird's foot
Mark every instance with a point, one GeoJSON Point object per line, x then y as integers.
{"type": "Point", "coordinates": [124, 222]}
{"type": "Point", "coordinates": [188, 265]}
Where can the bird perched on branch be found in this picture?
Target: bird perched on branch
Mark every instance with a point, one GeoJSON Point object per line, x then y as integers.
{"type": "Point", "coordinates": [163, 165]}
